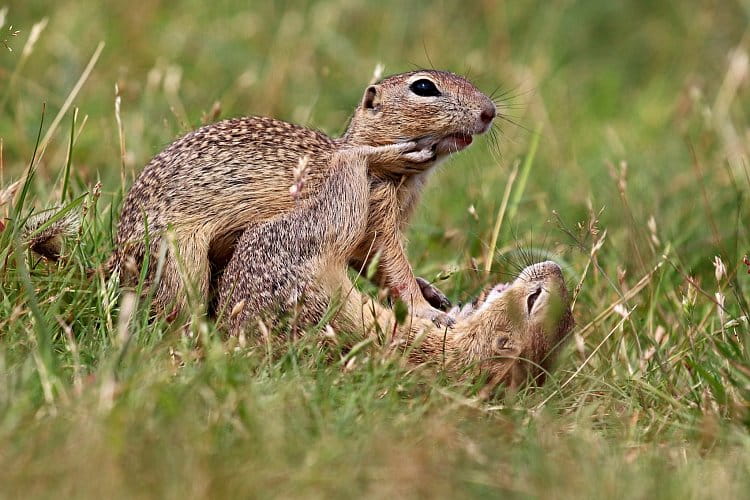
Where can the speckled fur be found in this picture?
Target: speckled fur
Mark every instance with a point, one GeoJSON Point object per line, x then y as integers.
{"type": "Point", "coordinates": [276, 260]}
{"type": "Point", "coordinates": [496, 336]}
{"type": "Point", "coordinates": [211, 184]}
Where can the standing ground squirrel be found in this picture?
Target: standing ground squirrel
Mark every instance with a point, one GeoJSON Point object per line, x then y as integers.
{"type": "Point", "coordinates": [295, 264]}
{"type": "Point", "coordinates": [211, 184]}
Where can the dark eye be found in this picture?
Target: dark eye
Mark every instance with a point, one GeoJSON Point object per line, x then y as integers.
{"type": "Point", "coordinates": [501, 343]}
{"type": "Point", "coordinates": [424, 88]}
{"type": "Point", "coordinates": [531, 299]}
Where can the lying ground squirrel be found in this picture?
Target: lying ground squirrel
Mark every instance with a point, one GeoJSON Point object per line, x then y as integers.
{"type": "Point", "coordinates": [296, 263]}
{"type": "Point", "coordinates": [211, 184]}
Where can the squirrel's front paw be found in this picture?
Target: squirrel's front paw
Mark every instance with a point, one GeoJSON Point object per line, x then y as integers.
{"type": "Point", "coordinates": [438, 317]}
{"type": "Point", "coordinates": [420, 155]}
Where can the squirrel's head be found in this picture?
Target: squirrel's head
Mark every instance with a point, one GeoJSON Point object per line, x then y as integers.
{"type": "Point", "coordinates": [512, 331]}
{"type": "Point", "coordinates": [436, 109]}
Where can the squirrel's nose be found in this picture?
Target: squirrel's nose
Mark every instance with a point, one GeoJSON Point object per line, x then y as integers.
{"type": "Point", "coordinates": [488, 114]}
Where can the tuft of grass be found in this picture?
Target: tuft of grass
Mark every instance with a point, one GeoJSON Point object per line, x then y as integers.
{"type": "Point", "coordinates": [628, 164]}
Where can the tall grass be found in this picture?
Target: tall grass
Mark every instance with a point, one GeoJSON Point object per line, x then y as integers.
{"type": "Point", "coordinates": [624, 156]}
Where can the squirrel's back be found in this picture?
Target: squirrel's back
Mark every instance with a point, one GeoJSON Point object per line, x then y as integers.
{"type": "Point", "coordinates": [204, 174]}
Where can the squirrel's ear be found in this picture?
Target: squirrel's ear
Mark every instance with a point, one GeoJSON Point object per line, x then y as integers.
{"type": "Point", "coordinates": [371, 99]}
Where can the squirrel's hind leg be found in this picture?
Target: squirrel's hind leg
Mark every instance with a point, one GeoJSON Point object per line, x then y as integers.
{"type": "Point", "coordinates": [185, 276]}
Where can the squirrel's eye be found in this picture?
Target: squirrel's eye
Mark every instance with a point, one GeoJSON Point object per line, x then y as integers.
{"type": "Point", "coordinates": [424, 88]}
{"type": "Point", "coordinates": [501, 343]}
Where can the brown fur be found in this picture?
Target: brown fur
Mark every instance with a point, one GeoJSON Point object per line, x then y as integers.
{"type": "Point", "coordinates": [306, 274]}
{"type": "Point", "coordinates": [46, 237]}
{"type": "Point", "coordinates": [211, 184]}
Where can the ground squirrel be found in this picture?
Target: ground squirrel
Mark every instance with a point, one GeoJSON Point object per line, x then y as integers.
{"type": "Point", "coordinates": [296, 264]}
{"type": "Point", "coordinates": [211, 184]}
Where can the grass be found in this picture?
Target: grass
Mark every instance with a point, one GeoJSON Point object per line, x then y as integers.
{"type": "Point", "coordinates": [638, 178]}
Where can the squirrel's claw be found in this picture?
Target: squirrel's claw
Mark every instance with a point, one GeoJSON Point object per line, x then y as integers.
{"type": "Point", "coordinates": [420, 156]}
{"type": "Point", "coordinates": [406, 158]}
{"type": "Point", "coordinates": [439, 318]}
{"type": "Point", "coordinates": [408, 151]}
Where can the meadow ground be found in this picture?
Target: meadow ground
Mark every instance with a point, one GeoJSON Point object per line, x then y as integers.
{"type": "Point", "coordinates": [625, 146]}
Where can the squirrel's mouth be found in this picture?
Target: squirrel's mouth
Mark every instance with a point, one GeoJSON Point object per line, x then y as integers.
{"type": "Point", "coordinates": [452, 143]}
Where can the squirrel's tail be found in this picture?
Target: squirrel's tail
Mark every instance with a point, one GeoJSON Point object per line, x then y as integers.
{"type": "Point", "coordinates": [46, 232]}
